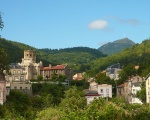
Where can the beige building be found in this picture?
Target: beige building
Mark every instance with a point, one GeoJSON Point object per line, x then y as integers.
{"type": "Point", "coordinates": [105, 90]}
{"type": "Point", "coordinates": [26, 70]}
{"type": "Point", "coordinates": [2, 89]}
{"type": "Point", "coordinates": [148, 88]}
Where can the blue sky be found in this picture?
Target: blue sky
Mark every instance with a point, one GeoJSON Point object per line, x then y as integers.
{"type": "Point", "coordinates": [61, 24]}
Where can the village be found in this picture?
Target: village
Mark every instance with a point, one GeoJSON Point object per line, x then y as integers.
{"type": "Point", "coordinates": [20, 78]}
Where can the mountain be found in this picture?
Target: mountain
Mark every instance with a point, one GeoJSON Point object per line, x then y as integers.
{"type": "Point", "coordinates": [116, 46]}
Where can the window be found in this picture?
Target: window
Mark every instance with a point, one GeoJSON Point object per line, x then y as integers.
{"type": "Point", "coordinates": [107, 90]}
{"type": "Point", "coordinates": [22, 78]}
{"type": "Point", "coordinates": [20, 87]}
{"type": "Point", "coordinates": [1, 94]}
{"type": "Point", "coordinates": [107, 95]}
{"type": "Point", "coordinates": [101, 90]}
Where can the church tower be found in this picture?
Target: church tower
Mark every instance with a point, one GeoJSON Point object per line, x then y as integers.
{"type": "Point", "coordinates": [29, 57]}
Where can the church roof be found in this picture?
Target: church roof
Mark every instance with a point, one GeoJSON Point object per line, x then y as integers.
{"type": "Point", "coordinates": [57, 67]}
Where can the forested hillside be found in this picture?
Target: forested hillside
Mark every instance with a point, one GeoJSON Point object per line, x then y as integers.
{"type": "Point", "coordinates": [116, 46]}
{"type": "Point", "coordinates": [75, 57]}
{"type": "Point", "coordinates": [136, 55]}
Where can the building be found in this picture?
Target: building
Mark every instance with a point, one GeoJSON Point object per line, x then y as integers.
{"type": "Point", "coordinates": [2, 89]}
{"type": "Point", "coordinates": [26, 70]}
{"type": "Point", "coordinates": [105, 90]}
{"type": "Point", "coordinates": [129, 89]}
{"type": "Point", "coordinates": [78, 76]}
{"type": "Point", "coordinates": [48, 72]}
{"type": "Point", "coordinates": [120, 90]}
{"type": "Point", "coordinates": [31, 68]}
{"type": "Point", "coordinates": [16, 73]}
{"type": "Point", "coordinates": [148, 88]}
{"type": "Point", "coordinates": [113, 71]}
{"type": "Point", "coordinates": [23, 87]}
{"type": "Point", "coordinates": [91, 95]}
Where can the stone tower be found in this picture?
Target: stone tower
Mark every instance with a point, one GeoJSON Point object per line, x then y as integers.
{"type": "Point", "coordinates": [2, 88]}
{"type": "Point", "coordinates": [29, 57]}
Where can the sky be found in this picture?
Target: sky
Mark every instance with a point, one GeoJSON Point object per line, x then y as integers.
{"type": "Point", "coordinates": [58, 24]}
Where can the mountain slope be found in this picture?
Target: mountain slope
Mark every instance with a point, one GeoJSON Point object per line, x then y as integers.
{"type": "Point", "coordinates": [72, 56]}
{"type": "Point", "coordinates": [138, 55]}
{"type": "Point", "coordinates": [116, 46]}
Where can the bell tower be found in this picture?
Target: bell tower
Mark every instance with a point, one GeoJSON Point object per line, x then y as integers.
{"type": "Point", "coordinates": [29, 56]}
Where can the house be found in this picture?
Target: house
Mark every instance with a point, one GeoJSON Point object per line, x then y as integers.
{"type": "Point", "coordinates": [2, 89]}
{"type": "Point", "coordinates": [120, 90]}
{"type": "Point", "coordinates": [78, 76]}
{"type": "Point", "coordinates": [113, 71]}
{"type": "Point", "coordinates": [136, 86]}
{"type": "Point", "coordinates": [23, 87]}
{"type": "Point", "coordinates": [91, 95]}
{"type": "Point", "coordinates": [48, 72]}
{"type": "Point", "coordinates": [93, 86]}
{"type": "Point", "coordinates": [148, 88]}
{"type": "Point", "coordinates": [105, 90]}
{"type": "Point", "coordinates": [129, 89]}
{"type": "Point", "coordinates": [16, 73]}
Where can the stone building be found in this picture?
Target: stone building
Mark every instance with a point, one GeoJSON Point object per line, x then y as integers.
{"type": "Point", "coordinates": [26, 70]}
{"type": "Point", "coordinates": [2, 89]}
{"type": "Point", "coordinates": [31, 68]}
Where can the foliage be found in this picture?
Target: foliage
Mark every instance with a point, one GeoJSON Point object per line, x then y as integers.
{"type": "Point", "coordinates": [4, 60]}
{"type": "Point", "coordinates": [141, 94]}
{"type": "Point", "coordinates": [83, 84]}
{"type": "Point", "coordinates": [39, 77]}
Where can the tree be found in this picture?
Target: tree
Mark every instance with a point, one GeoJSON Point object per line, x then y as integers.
{"type": "Point", "coordinates": [3, 61]}
{"type": "Point", "coordinates": [142, 93]}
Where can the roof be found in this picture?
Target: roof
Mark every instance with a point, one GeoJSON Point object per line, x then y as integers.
{"type": "Point", "coordinates": [92, 93]}
{"type": "Point", "coordinates": [147, 76]}
{"type": "Point", "coordinates": [122, 85]}
{"type": "Point", "coordinates": [57, 67]}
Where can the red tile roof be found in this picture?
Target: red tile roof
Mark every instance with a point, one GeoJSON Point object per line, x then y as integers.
{"type": "Point", "coordinates": [122, 85]}
{"type": "Point", "coordinates": [57, 67]}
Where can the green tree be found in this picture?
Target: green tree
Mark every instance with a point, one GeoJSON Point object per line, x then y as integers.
{"type": "Point", "coordinates": [3, 61]}
{"type": "Point", "coordinates": [141, 94]}
{"type": "Point", "coordinates": [73, 101]}
{"type": "Point", "coordinates": [39, 77]}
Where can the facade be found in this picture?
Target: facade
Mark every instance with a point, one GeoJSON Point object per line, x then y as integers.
{"type": "Point", "coordinates": [91, 95]}
{"type": "Point", "coordinates": [31, 68]}
{"type": "Point", "coordinates": [134, 99]}
{"type": "Point", "coordinates": [129, 89]}
{"type": "Point", "coordinates": [2, 89]}
{"type": "Point", "coordinates": [23, 87]}
{"type": "Point", "coordinates": [93, 86]}
{"type": "Point", "coordinates": [105, 90]}
{"type": "Point", "coordinates": [16, 73]}
{"type": "Point", "coordinates": [120, 90]}
{"type": "Point", "coordinates": [47, 72]}
{"type": "Point", "coordinates": [26, 70]}
{"type": "Point", "coordinates": [113, 71]}
{"type": "Point", "coordinates": [148, 88]}
{"type": "Point", "coordinates": [78, 76]}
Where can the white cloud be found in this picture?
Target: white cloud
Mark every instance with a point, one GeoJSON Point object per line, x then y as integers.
{"type": "Point", "coordinates": [98, 24]}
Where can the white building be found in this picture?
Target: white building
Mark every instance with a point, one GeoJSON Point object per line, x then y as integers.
{"type": "Point", "coordinates": [2, 89]}
{"type": "Point", "coordinates": [113, 71]}
{"type": "Point", "coordinates": [105, 90]}
{"type": "Point", "coordinates": [148, 88]}
{"type": "Point", "coordinates": [134, 99]}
